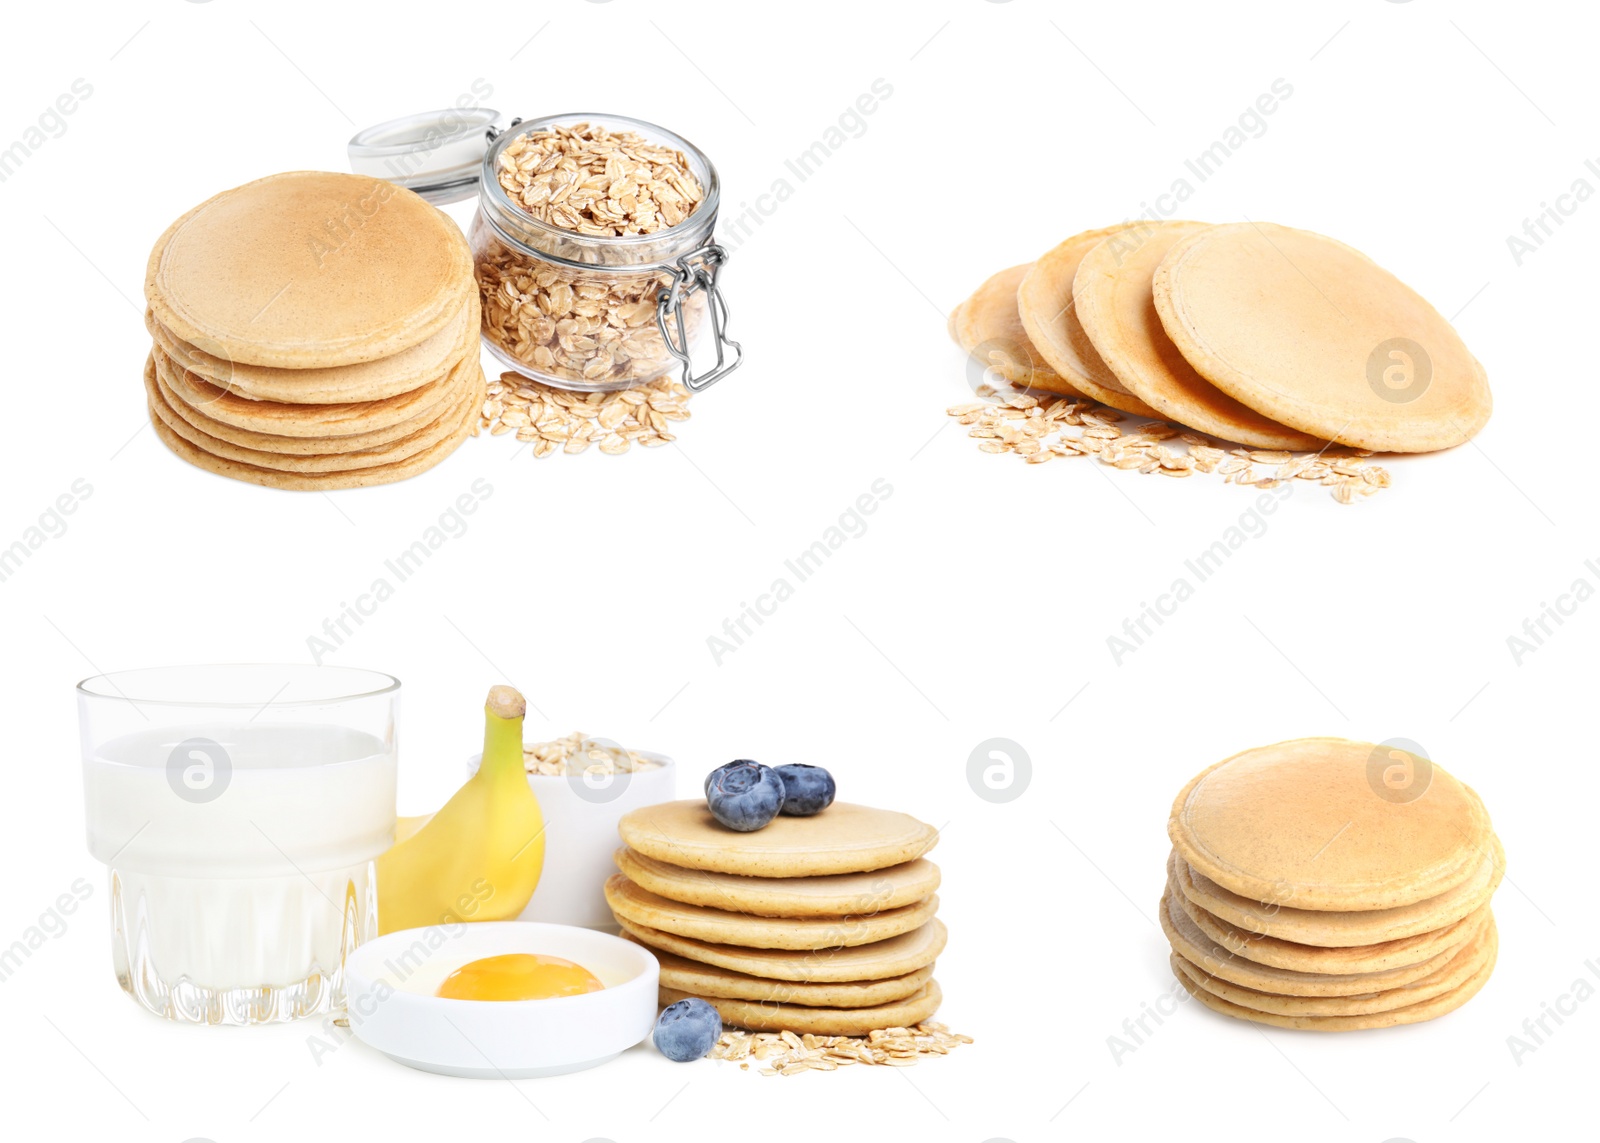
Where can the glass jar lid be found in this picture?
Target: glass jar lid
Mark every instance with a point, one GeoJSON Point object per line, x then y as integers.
{"type": "Point", "coordinates": [437, 154]}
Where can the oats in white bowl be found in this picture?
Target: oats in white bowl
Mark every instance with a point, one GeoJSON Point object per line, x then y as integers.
{"type": "Point", "coordinates": [580, 753]}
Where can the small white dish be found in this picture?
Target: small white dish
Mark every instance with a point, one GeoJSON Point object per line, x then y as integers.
{"type": "Point", "coordinates": [580, 836]}
{"type": "Point", "coordinates": [390, 984]}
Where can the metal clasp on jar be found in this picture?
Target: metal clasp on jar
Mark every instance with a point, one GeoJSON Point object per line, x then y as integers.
{"type": "Point", "coordinates": [697, 270]}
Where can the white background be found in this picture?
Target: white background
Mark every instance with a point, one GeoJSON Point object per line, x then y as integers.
{"type": "Point", "coordinates": [976, 604]}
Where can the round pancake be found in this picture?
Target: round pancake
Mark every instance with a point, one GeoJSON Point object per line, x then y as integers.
{"type": "Point", "coordinates": [324, 481]}
{"type": "Point", "coordinates": [1462, 966]}
{"type": "Point", "coordinates": [430, 434]}
{"type": "Point", "coordinates": [178, 387]}
{"type": "Point", "coordinates": [1408, 1014]}
{"type": "Point", "coordinates": [747, 931]}
{"type": "Point", "coordinates": [1334, 929]}
{"type": "Point", "coordinates": [309, 270]}
{"type": "Point", "coordinates": [841, 894]}
{"type": "Point", "coordinates": [893, 957]}
{"type": "Point", "coordinates": [1046, 308]}
{"type": "Point", "coordinates": [410, 369]}
{"type": "Point", "coordinates": [1316, 335]}
{"type": "Point", "coordinates": [1391, 954]}
{"type": "Point", "coordinates": [843, 838]}
{"type": "Point", "coordinates": [705, 980]}
{"type": "Point", "coordinates": [802, 1020]}
{"type": "Point", "coordinates": [988, 327]}
{"type": "Point", "coordinates": [1114, 303]}
{"type": "Point", "coordinates": [1189, 941]}
{"type": "Point", "coordinates": [1306, 823]}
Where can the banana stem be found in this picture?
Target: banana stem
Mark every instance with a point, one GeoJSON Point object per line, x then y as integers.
{"type": "Point", "coordinates": [502, 747]}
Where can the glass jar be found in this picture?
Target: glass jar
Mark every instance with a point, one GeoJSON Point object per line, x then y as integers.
{"type": "Point", "coordinates": [239, 811]}
{"type": "Point", "coordinates": [571, 310]}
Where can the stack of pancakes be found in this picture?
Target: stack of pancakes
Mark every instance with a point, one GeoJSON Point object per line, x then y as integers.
{"type": "Point", "coordinates": [818, 924]}
{"type": "Point", "coordinates": [1255, 333]}
{"type": "Point", "coordinates": [313, 331]}
{"type": "Point", "coordinates": [1331, 885]}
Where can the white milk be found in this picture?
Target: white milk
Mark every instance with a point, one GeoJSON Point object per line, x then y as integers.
{"type": "Point", "coordinates": [240, 876]}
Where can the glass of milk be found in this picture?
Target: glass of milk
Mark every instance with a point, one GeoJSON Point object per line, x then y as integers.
{"type": "Point", "coordinates": [239, 810]}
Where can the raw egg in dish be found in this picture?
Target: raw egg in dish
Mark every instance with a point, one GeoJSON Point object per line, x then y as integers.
{"type": "Point", "coordinates": [518, 976]}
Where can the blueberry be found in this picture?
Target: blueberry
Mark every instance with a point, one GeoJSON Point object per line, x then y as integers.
{"type": "Point", "coordinates": [807, 789]}
{"type": "Point", "coordinates": [688, 1030]}
{"type": "Point", "coordinates": [744, 795]}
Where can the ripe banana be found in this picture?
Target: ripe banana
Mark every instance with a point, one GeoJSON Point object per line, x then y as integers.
{"type": "Point", "coordinates": [478, 858]}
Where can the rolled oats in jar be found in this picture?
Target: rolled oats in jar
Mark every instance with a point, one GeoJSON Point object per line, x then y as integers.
{"type": "Point", "coordinates": [593, 241]}
{"type": "Point", "coordinates": [594, 252]}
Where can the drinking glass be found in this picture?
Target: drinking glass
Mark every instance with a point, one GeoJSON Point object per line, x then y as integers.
{"type": "Point", "coordinates": [239, 810]}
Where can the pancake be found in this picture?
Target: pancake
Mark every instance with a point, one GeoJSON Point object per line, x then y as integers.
{"type": "Point", "coordinates": [1117, 309]}
{"type": "Point", "coordinates": [1464, 965]}
{"type": "Point", "coordinates": [840, 894]}
{"type": "Point", "coordinates": [988, 327]}
{"type": "Point", "coordinates": [309, 270]}
{"type": "Point", "coordinates": [802, 1020]}
{"type": "Point", "coordinates": [177, 387]}
{"type": "Point", "coordinates": [893, 957]}
{"type": "Point", "coordinates": [1306, 824]}
{"type": "Point", "coordinates": [1048, 314]}
{"type": "Point", "coordinates": [429, 435]}
{"type": "Point", "coordinates": [745, 930]}
{"type": "Point", "coordinates": [1344, 929]}
{"type": "Point", "coordinates": [1189, 941]}
{"type": "Point", "coordinates": [410, 369]}
{"type": "Point", "coordinates": [1314, 334]}
{"type": "Point", "coordinates": [324, 481]}
{"type": "Point", "coordinates": [1409, 1014]}
{"type": "Point", "coordinates": [843, 838]}
{"type": "Point", "coordinates": [704, 980]}
{"type": "Point", "coordinates": [1354, 959]}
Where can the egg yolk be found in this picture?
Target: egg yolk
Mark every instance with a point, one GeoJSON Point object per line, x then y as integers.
{"type": "Point", "coordinates": [518, 976]}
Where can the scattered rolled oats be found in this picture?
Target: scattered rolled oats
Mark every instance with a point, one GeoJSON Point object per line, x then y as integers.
{"type": "Point", "coordinates": [561, 755]}
{"type": "Point", "coordinates": [787, 1054]}
{"type": "Point", "coordinates": [552, 419]}
{"type": "Point", "coordinates": [1019, 424]}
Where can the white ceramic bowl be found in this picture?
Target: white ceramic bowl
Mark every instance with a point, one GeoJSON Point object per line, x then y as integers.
{"type": "Point", "coordinates": [580, 837]}
{"type": "Point", "coordinates": [390, 984]}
